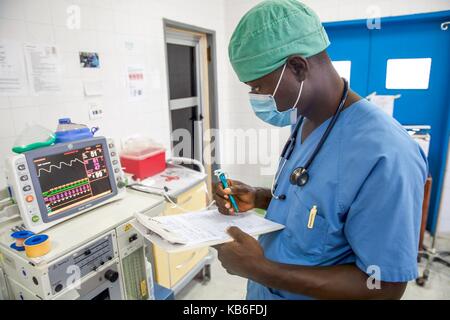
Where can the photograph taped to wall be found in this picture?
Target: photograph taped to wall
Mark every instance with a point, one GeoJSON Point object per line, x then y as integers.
{"type": "Point", "coordinates": [89, 60]}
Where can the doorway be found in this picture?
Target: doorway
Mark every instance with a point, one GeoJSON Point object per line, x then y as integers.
{"type": "Point", "coordinates": [191, 69]}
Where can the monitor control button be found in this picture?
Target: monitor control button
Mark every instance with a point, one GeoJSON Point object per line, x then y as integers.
{"type": "Point", "coordinates": [21, 167]}
{"type": "Point", "coordinates": [29, 198]}
{"type": "Point", "coordinates": [26, 188]}
{"type": "Point", "coordinates": [115, 162]}
{"type": "Point", "coordinates": [24, 178]}
{"type": "Point", "coordinates": [113, 154]}
{"type": "Point", "coordinates": [35, 218]}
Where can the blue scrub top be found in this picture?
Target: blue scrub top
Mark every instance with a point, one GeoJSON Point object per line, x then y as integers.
{"type": "Point", "coordinates": [367, 183]}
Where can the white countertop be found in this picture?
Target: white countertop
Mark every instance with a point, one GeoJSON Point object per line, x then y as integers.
{"type": "Point", "coordinates": [74, 232]}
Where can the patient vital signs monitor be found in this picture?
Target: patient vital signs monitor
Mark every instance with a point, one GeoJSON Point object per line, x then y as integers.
{"type": "Point", "coordinates": [54, 183]}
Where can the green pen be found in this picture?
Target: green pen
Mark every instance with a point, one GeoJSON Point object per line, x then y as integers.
{"type": "Point", "coordinates": [222, 177]}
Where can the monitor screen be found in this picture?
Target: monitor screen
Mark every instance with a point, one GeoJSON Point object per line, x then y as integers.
{"type": "Point", "coordinates": [71, 178]}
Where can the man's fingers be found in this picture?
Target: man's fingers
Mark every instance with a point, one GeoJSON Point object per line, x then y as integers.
{"type": "Point", "coordinates": [237, 234]}
{"type": "Point", "coordinates": [220, 202]}
{"type": "Point", "coordinates": [223, 205]}
{"type": "Point", "coordinates": [219, 190]}
{"type": "Point", "coordinates": [223, 210]}
{"type": "Point", "coordinates": [234, 187]}
{"type": "Point", "coordinates": [237, 189]}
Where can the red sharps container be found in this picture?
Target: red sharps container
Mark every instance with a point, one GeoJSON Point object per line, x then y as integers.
{"type": "Point", "coordinates": [143, 159]}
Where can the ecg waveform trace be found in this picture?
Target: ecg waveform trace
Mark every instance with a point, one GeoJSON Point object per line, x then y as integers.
{"type": "Point", "coordinates": [71, 178]}
{"type": "Point", "coordinates": [58, 166]}
{"type": "Point", "coordinates": [77, 185]}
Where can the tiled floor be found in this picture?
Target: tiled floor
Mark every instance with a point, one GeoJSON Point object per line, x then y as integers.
{"type": "Point", "coordinates": [438, 285]}
{"type": "Point", "coordinates": [223, 286]}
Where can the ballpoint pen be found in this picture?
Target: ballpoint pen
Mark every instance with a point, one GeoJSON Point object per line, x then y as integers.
{"type": "Point", "coordinates": [223, 179]}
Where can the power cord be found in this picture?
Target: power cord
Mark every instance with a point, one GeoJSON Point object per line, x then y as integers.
{"type": "Point", "coordinates": [165, 193]}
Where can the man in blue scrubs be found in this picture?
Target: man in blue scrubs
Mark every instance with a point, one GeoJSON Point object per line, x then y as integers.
{"type": "Point", "coordinates": [352, 231]}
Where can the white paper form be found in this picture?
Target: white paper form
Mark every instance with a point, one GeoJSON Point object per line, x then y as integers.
{"type": "Point", "coordinates": [202, 228]}
{"type": "Point", "coordinates": [43, 68]}
{"type": "Point", "coordinates": [13, 78]}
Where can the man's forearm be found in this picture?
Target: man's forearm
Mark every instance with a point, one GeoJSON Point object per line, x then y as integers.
{"type": "Point", "coordinates": [333, 282]}
{"type": "Point", "coordinates": [262, 198]}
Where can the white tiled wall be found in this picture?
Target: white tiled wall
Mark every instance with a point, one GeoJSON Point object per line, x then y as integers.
{"type": "Point", "coordinates": [106, 25]}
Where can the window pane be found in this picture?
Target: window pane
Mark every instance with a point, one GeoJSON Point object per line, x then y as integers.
{"type": "Point", "coordinates": [343, 68]}
{"type": "Point", "coordinates": [184, 119]}
{"type": "Point", "coordinates": [182, 77]}
{"type": "Point", "coordinates": [408, 73]}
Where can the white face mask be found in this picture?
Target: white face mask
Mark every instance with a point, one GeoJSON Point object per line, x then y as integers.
{"type": "Point", "coordinates": [265, 107]}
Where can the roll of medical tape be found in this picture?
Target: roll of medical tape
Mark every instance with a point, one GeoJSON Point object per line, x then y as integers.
{"type": "Point", "coordinates": [20, 237]}
{"type": "Point", "coordinates": [37, 245]}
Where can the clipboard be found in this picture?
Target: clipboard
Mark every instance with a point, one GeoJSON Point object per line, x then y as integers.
{"type": "Point", "coordinates": [160, 230]}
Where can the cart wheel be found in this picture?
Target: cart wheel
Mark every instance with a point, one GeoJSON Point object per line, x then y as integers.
{"type": "Point", "coordinates": [207, 273]}
{"type": "Point", "coordinates": [424, 278]}
{"type": "Point", "coordinates": [420, 281]}
{"type": "Point", "coordinates": [204, 275]}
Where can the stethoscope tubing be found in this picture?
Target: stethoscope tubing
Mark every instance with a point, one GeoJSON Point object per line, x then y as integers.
{"type": "Point", "coordinates": [290, 144]}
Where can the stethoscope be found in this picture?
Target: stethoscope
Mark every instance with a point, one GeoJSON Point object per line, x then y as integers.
{"type": "Point", "coordinates": [300, 175]}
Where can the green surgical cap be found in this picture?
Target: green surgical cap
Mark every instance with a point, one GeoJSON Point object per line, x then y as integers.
{"type": "Point", "coordinates": [272, 31]}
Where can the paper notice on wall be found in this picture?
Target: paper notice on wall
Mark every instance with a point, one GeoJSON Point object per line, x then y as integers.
{"type": "Point", "coordinates": [43, 68]}
{"type": "Point", "coordinates": [385, 102]}
{"type": "Point", "coordinates": [13, 78]}
{"type": "Point", "coordinates": [93, 88]}
{"type": "Point", "coordinates": [136, 83]}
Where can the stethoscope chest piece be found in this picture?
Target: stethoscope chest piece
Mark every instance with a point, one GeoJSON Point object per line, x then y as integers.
{"type": "Point", "coordinates": [299, 177]}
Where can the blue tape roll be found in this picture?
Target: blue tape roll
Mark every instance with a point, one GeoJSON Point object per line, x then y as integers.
{"type": "Point", "coordinates": [22, 234]}
{"type": "Point", "coordinates": [15, 247]}
{"type": "Point", "coordinates": [35, 240]}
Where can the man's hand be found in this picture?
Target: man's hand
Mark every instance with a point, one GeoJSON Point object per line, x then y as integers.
{"type": "Point", "coordinates": [244, 195]}
{"type": "Point", "coordinates": [241, 256]}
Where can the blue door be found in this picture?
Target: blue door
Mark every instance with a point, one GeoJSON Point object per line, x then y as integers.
{"type": "Point", "coordinates": [360, 40]}
{"type": "Point", "coordinates": [404, 37]}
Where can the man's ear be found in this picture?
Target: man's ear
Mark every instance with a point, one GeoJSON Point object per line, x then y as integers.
{"type": "Point", "coordinates": [299, 67]}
